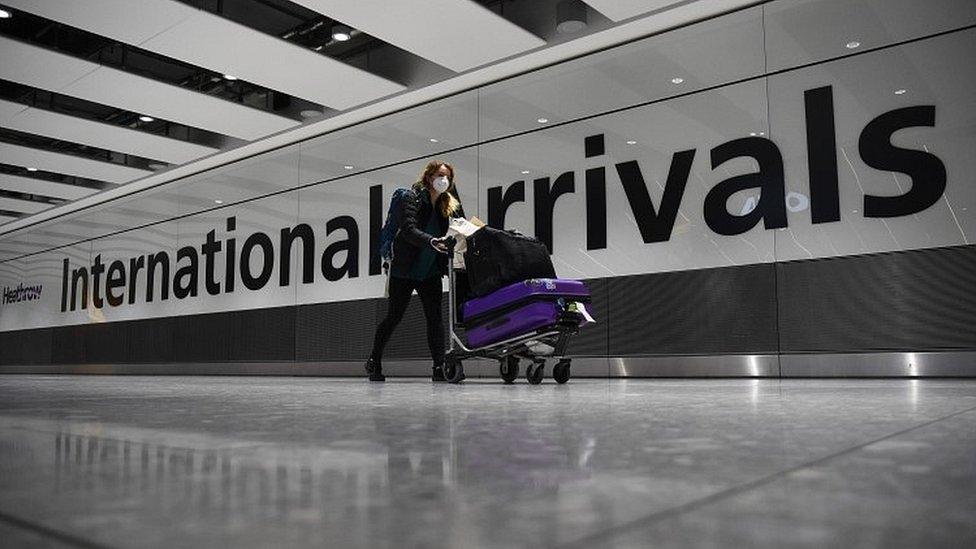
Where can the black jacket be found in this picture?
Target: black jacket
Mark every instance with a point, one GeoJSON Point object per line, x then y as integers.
{"type": "Point", "coordinates": [412, 236]}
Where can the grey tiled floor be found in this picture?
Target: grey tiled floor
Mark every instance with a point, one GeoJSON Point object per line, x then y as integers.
{"type": "Point", "coordinates": [291, 462]}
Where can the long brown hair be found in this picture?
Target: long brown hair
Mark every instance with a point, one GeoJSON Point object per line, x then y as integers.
{"type": "Point", "coordinates": [447, 203]}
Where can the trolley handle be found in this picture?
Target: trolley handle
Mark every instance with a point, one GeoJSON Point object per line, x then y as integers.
{"type": "Point", "coordinates": [453, 342]}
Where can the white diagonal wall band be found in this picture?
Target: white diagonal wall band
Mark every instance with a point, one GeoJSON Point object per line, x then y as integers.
{"type": "Point", "coordinates": [54, 71]}
{"type": "Point", "coordinates": [41, 187]}
{"type": "Point", "coordinates": [98, 134]}
{"type": "Point", "coordinates": [18, 155]}
{"type": "Point", "coordinates": [22, 206]}
{"type": "Point", "coordinates": [457, 34]}
{"type": "Point", "coordinates": [198, 37]}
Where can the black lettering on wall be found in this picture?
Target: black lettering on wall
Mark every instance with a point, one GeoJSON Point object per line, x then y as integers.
{"type": "Point", "coordinates": [209, 250]}
{"type": "Point", "coordinates": [187, 272]}
{"type": "Point", "coordinates": [596, 195]}
{"type": "Point", "coordinates": [160, 259]}
{"type": "Point", "coordinates": [375, 228]}
{"type": "Point", "coordinates": [656, 226]}
{"type": "Point", "coordinates": [498, 204]}
{"type": "Point", "coordinates": [350, 245]}
{"type": "Point", "coordinates": [545, 198]}
{"type": "Point", "coordinates": [927, 174]}
{"type": "Point", "coordinates": [231, 259]}
{"type": "Point", "coordinates": [135, 265]}
{"type": "Point", "coordinates": [64, 285]}
{"type": "Point", "coordinates": [926, 171]}
{"type": "Point", "coordinates": [596, 208]}
{"type": "Point", "coordinates": [250, 281]}
{"type": "Point", "coordinates": [288, 236]}
{"type": "Point", "coordinates": [593, 145]}
{"type": "Point", "coordinates": [81, 274]}
{"type": "Point", "coordinates": [822, 154]}
{"type": "Point", "coordinates": [771, 208]}
{"type": "Point", "coordinates": [97, 269]}
{"type": "Point", "coordinates": [115, 278]}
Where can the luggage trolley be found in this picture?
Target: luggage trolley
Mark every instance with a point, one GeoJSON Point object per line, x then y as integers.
{"type": "Point", "coordinates": [560, 320]}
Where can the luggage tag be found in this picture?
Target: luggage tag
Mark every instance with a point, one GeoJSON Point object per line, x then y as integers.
{"type": "Point", "coordinates": [581, 309]}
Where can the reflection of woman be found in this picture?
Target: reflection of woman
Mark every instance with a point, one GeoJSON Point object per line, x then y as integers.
{"type": "Point", "coordinates": [419, 262]}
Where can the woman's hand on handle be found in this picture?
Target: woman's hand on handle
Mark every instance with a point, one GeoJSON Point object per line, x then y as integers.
{"type": "Point", "coordinates": [440, 244]}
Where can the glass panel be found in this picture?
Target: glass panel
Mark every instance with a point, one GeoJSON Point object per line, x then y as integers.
{"type": "Point", "coordinates": [719, 51]}
{"type": "Point", "coordinates": [651, 136]}
{"type": "Point", "coordinates": [806, 31]}
{"type": "Point", "coordinates": [936, 73]}
{"type": "Point", "coordinates": [415, 133]}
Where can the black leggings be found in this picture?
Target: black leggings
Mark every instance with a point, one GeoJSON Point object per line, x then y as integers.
{"type": "Point", "coordinates": [430, 297]}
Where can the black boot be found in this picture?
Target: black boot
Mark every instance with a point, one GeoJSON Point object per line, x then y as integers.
{"type": "Point", "coordinates": [375, 370]}
{"type": "Point", "coordinates": [437, 374]}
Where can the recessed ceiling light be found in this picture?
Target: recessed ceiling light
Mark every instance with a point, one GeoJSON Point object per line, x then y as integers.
{"type": "Point", "coordinates": [145, 118]}
{"type": "Point", "coordinates": [32, 169]}
{"type": "Point", "coordinates": [218, 201]}
{"type": "Point", "coordinates": [4, 14]}
{"type": "Point", "coordinates": [900, 92]}
{"type": "Point", "coordinates": [542, 120]}
{"type": "Point", "coordinates": [432, 140]}
{"type": "Point", "coordinates": [318, 48]}
{"type": "Point", "coordinates": [753, 134]}
{"type": "Point", "coordinates": [311, 113]}
{"type": "Point", "coordinates": [762, 133]}
{"type": "Point", "coordinates": [348, 167]}
{"type": "Point", "coordinates": [570, 16]}
{"type": "Point", "coordinates": [341, 33]}
{"type": "Point", "coordinates": [526, 172]}
{"type": "Point", "coordinates": [631, 142]}
{"type": "Point", "coordinates": [677, 80]}
{"type": "Point", "coordinates": [229, 77]}
{"type": "Point", "coordinates": [852, 44]}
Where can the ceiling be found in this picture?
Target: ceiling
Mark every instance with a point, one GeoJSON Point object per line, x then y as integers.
{"type": "Point", "coordinates": [98, 94]}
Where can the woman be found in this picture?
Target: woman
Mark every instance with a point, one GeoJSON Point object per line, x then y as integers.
{"type": "Point", "coordinates": [419, 262]}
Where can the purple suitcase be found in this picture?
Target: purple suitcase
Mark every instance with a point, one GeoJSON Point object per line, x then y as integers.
{"type": "Point", "coordinates": [535, 288]}
{"type": "Point", "coordinates": [520, 308]}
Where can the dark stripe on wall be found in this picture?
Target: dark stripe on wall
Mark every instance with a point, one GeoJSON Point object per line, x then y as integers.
{"type": "Point", "coordinates": [918, 300]}
{"type": "Point", "coordinates": [915, 301]}
{"type": "Point", "coordinates": [336, 331]}
{"type": "Point", "coordinates": [731, 310]}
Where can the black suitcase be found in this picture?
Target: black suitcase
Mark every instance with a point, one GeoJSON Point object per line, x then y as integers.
{"type": "Point", "coordinates": [497, 258]}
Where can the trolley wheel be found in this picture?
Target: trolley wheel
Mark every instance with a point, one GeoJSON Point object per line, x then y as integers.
{"type": "Point", "coordinates": [560, 372]}
{"type": "Point", "coordinates": [509, 368]}
{"type": "Point", "coordinates": [535, 372]}
{"type": "Point", "coordinates": [453, 370]}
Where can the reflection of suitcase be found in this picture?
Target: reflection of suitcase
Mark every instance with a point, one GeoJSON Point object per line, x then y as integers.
{"type": "Point", "coordinates": [494, 259]}
{"type": "Point", "coordinates": [523, 307]}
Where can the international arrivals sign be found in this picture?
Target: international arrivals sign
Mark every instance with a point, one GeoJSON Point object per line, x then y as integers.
{"type": "Point", "coordinates": [222, 261]}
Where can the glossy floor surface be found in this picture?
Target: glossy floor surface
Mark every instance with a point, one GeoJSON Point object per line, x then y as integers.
{"type": "Point", "coordinates": [296, 462]}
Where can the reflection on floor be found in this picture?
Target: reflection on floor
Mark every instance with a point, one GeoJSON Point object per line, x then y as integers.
{"type": "Point", "coordinates": [292, 462]}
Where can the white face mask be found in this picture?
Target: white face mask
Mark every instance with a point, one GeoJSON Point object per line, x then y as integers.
{"type": "Point", "coordinates": [440, 184]}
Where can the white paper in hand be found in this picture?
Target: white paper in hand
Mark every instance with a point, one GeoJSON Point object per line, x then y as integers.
{"type": "Point", "coordinates": [460, 229]}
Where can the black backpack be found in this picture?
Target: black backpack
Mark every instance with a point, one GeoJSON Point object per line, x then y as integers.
{"type": "Point", "coordinates": [392, 226]}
